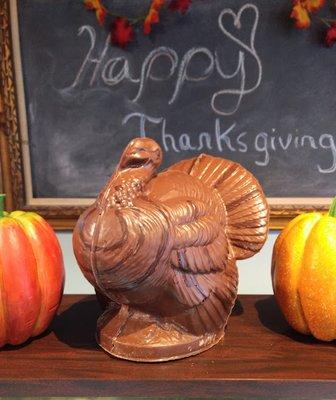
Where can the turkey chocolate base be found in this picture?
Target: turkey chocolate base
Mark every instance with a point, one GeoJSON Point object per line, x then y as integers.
{"type": "Point", "coordinates": [163, 247]}
{"type": "Point", "coordinates": [144, 338]}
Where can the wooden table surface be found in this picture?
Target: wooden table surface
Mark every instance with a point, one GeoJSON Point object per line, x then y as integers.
{"type": "Point", "coordinates": [259, 357]}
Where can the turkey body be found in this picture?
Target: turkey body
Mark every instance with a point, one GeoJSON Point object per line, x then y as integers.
{"type": "Point", "coordinates": [165, 245]}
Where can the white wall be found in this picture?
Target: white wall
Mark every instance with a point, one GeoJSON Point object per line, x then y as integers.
{"type": "Point", "coordinates": [254, 274]}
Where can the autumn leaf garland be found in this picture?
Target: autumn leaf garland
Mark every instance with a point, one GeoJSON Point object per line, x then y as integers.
{"type": "Point", "coordinates": [302, 9]}
{"type": "Point", "coordinates": [153, 15]}
{"type": "Point", "coordinates": [97, 7]}
{"type": "Point", "coordinates": [179, 5]}
{"type": "Point", "coordinates": [302, 13]}
{"type": "Point", "coordinates": [123, 32]}
{"type": "Point", "coordinates": [330, 37]}
{"type": "Point", "coordinates": [122, 28]}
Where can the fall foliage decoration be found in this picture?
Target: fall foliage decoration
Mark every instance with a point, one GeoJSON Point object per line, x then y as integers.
{"type": "Point", "coordinates": [330, 37]}
{"type": "Point", "coordinates": [122, 28]}
{"type": "Point", "coordinates": [98, 8]}
{"type": "Point", "coordinates": [179, 5]}
{"type": "Point", "coordinates": [153, 15]}
{"type": "Point", "coordinates": [303, 12]}
{"type": "Point", "coordinates": [121, 32]}
{"type": "Point", "coordinates": [300, 15]}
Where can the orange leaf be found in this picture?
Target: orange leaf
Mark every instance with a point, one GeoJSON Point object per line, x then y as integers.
{"type": "Point", "coordinates": [157, 4]}
{"type": "Point", "coordinates": [100, 15]}
{"type": "Point", "coordinates": [313, 5]}
{"type": "Point", "coordinates": [96, 5]}
{"type": "Point", "coordinates": [152, 18]}
{"type": "Point", "coordinates": [300, 15]}
{"type": "Point", "coordinates": [90, 4]}
{"type": "Point", "coordinates": [153, 15]}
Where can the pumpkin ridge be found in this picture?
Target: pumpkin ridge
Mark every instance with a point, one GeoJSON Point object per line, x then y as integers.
{"type": "Point", "coordinates": [318, 302]}
{"type": "Point", "coordinates": [281, 237]}
{"type": "Point", "coordinates": [18, 216]}
{"type": "Point", "coordinates": [288, 296]}
{"type": "Point", "coordinates": [50, 300]}
{"type": "Point", "coordinates": [303, 312]}
{"type": "Point", "coordinates": [19, 255]}
{"type": "Point", "coordinates": [3, 310]}
{"type": "Point", "coordinates": [6, 219]}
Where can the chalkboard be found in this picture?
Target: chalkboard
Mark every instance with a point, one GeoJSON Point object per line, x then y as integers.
{"type": "Point", "coordinates": [231, 78]}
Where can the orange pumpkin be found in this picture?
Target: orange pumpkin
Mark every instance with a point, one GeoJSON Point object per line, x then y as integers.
{"type": "Point", "coordinates": [31, 275]}
{"type": "Point", "coordinates": [304, 273]}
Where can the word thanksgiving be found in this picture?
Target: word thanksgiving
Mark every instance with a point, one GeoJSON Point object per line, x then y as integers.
{"type": "Point", "coordinates": [230, 139]}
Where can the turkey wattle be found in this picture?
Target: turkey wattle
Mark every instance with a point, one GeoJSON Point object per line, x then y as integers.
{"type": "Point", "coordinates": [164, 247]}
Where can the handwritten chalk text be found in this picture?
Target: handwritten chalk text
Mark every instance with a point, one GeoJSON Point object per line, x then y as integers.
{"type": "Point", "coordinates": [99, 67]}
{"type": "Point", "coordinates": [229, 139]}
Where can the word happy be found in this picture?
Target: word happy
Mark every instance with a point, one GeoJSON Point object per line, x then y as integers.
{"type": "Point", "coordinates": [113, 71]}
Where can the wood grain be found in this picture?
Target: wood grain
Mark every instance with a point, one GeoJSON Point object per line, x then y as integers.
{"type": "Point", "coordinates": [259, 357]}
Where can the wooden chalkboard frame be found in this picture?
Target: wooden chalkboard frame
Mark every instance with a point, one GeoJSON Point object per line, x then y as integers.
{"type": "Point", "coordinates": [14, 157]}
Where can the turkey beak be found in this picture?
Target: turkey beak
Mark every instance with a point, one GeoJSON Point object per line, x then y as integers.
{"type": "Point", "coordinates": [156, 157]}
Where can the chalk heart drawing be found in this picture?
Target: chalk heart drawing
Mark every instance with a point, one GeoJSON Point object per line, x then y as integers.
{"type": "Point", "coordinates": [245, 48]}
{"type": "Point", "coordinates": [238, 24]}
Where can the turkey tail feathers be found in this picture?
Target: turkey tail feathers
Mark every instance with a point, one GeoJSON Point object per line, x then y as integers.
{"type": "Point", "coordinates": [246, 206]}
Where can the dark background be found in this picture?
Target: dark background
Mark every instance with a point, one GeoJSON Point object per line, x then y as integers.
{"type": "Point", "coordinates": [76, 134]}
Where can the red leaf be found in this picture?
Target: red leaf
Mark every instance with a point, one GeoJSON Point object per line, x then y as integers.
{"type": "Point", "coordinates": [180, 5]}
{"type": "Point", "coordinates": [313, 5]}
{"type": "Point", "coordinates": [121, 32]}
{"type": "Point", "coordinates": [157, 4]}
{"type": "Point", "coordinates": [330, 37]}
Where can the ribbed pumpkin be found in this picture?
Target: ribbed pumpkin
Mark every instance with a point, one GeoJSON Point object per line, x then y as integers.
{"type": "Point", "coordinates": [304, 273]}
{"type": "Point", "coordinates": [31, 275]}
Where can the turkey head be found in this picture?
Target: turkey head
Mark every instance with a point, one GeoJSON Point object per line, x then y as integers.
{"type": "Point", "coordinates": [163, 246]}
{"type": "Point", "coordinates": [121, 238]}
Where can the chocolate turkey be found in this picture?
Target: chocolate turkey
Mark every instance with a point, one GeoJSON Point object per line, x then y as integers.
{"type": "Point", "coordinates": [162, 248]}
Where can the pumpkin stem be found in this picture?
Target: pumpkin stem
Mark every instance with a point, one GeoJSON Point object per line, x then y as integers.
{"type": "Point", "coordinates": [2, 205]}
{"type": "Point", "coordinates": [332, 209]}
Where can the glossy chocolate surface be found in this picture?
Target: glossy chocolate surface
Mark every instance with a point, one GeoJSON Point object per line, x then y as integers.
{"type": "Point", "coordinates": [162, 249]}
